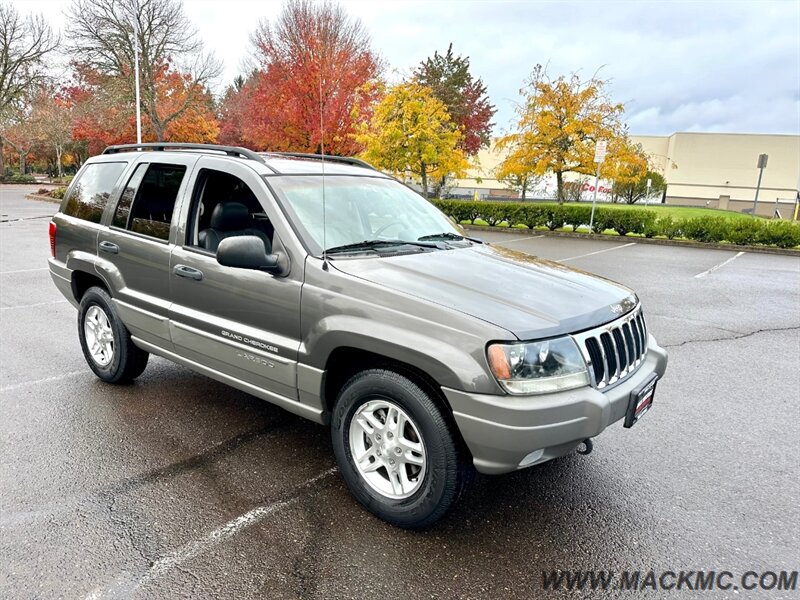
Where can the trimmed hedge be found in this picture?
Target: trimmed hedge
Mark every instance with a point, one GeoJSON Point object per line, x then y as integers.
{"type": "Point", "coordinates": [648, 223]}
{"type": "Point", "coordinates": [18, 179]}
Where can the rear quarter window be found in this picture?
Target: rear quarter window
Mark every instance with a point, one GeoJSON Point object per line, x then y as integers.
{"type": "Point", "coordinates": [90, 193]}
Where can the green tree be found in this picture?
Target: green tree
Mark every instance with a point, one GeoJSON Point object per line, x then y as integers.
{"type": "Point", "coordinates": [465, 98]}
{"type": "Point", "coordinates": [633, 191]}
{"type": "Point", "coordinates": [411, 133]}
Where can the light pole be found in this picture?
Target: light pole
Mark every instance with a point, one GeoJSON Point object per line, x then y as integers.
{"type": "Point", "coordinates": [762, 164]}
{"type": "Point", "coordinates": [599, 157]}
{"type": "Point", "coordinates": [136, 71]}
{"type": "Point", "coordinates": [647, 194]}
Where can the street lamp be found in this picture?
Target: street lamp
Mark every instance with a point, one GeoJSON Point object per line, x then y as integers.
{"type": "Point", "coordinates": [762, 164]}
{"type": "Point", "coordinates": [136, 71]}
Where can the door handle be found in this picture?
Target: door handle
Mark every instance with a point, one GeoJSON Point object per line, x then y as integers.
{"type": "Point", "coordinates": [109, 247]}
{"type": "Point", "coordinates": [188, 272]}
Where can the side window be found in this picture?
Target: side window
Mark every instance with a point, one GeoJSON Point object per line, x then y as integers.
{"type": "Point", "coordinates": [123, 211]}
{"type": "Point", "coordinates": [149, 198]}
{"type": "Point", "coordinates": [91, 191]}
{"type": "Point", "coordinates": [224, 206]}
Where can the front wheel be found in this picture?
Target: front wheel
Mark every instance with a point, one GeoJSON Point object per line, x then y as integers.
{"type": "Point", "coordinates": [395, 449]}
{"type": "Point", "coordinates": [105, 341]}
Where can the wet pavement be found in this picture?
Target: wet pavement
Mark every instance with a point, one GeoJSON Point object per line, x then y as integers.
{"type": "Point", "coordinates": [180, 487]}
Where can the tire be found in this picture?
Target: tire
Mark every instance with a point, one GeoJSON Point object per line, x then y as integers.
{"type": "Point", "coordinates": [409, 494]}
{"type": "Point", "coordinates": [105, 341]}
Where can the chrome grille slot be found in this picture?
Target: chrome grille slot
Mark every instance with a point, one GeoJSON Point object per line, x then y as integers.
{"type": "Point", "coordinates": [622, 351]}
{"type": "Point", "coordinates": [616, 350]}
{"type": "Point", "coordinates": [596, 358]}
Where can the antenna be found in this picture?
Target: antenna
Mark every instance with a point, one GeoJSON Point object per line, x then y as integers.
{"type": "Point", "coordinates": [322, 154]}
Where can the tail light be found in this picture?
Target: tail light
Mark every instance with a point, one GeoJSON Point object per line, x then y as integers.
{"type": "Point", "coordinates": [52, 239]}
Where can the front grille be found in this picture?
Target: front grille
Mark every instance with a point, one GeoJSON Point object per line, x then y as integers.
{"type": "Point", "coordinates": [614, 351]}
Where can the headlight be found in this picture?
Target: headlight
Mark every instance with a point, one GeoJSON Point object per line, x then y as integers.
{"type": "Point", "coordinates": [538, 367]}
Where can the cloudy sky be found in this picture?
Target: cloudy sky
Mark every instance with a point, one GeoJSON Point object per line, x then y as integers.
{"type": "Point", "coordinates": [677, 66]}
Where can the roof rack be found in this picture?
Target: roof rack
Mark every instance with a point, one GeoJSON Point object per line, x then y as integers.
{"type": "Point", "coordinates": [162, 146]}
{"type": "Point", "coordinates": [347, 160]}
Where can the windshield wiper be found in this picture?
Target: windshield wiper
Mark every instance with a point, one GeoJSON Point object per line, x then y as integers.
{"type": "Point", "coordinates": [372, 244]}
{"type": "Point", "coordinates": [449, 235]}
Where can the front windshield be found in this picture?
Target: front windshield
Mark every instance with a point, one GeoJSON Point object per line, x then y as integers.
{"type": "Point", "coordinates": [357, 209]}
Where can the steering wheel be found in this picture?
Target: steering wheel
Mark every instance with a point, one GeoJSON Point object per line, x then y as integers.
{"type": "Point", "coordinates": [383, 228]}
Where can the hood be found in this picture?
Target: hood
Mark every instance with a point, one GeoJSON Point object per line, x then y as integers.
{"type": "Point", "coordinates": [528, 296]}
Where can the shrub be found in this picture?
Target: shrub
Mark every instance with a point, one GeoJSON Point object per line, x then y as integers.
{"type": "Point", "coordinates": [667, 226]}
{"type": "Point", "coordinates": [744, 231]}
{"type": "Point", "coordinates": [602, 219]}
{"type": "Point", "coordinates": [705, 229]}
{"type": "Point", "coordinates": [497, 212]}
{"type": "Point", "coordinates": [577, 215]}
{"type": "Point", "coordinates": [554, 216]}
{"type": "Point", "coordinates": [782, 234]}
{"type": "Point", "coordinates": [58, 193]}
{"type": "Point", "coordinates": [628, 220]}
{"type": "Point", "coordinates": [532, 215]}
{"type": "Point", "coordinates": [42, 192]}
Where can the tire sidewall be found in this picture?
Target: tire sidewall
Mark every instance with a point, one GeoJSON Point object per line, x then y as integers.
{"type": "Point", "coordinates": [440, 467]}
{"type": "Point", "coordinates": [100, 298]}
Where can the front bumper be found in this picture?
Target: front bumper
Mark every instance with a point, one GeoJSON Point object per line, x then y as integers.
{"type": "Point", "coordinates": [506, 433]}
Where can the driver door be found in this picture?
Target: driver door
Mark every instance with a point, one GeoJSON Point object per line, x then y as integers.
{"type": "Point", "coordinates": [239, 323]}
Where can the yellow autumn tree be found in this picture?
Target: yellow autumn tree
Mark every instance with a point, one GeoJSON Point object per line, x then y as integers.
{"type": "Point", "coordinates": [515, 171]}
{"type": "Point", "coordinates": [625, 162]}
{"type": "Point", "coordinates": [411, 133]}
{"type": "Point", "coordinates": [559, 124]}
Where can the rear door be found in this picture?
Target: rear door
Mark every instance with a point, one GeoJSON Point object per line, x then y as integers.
{"type": "Point", "coordinates": [136, 245]}
{"type": "Point", "coordinates": [241, 323]}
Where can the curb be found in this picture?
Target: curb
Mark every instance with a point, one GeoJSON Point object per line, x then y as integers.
{"type": "Point", "coordinates": [638, 240]}
{"type": "Point", "coordinates": [43, 198]}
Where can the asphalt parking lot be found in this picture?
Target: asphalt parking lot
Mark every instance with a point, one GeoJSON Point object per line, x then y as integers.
{"type": "Point", "coordinates": [180, 487]}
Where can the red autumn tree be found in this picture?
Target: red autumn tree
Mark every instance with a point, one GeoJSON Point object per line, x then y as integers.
{"type": "Point", "coordinates": [104, 116]}
{"type": "Point", "coordinates": [234, 111]}
{"type": "Point", "coordinates": [317, 73]}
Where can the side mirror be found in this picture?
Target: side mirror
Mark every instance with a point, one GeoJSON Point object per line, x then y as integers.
{"type": "Point", "coordinates": [247, 252]}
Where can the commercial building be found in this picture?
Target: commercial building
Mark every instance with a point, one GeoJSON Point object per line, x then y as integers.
{"type": "Point", "coordinates": [716, 170]}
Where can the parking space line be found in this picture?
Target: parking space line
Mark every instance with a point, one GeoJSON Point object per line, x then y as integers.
{"type": "Point", "coordinates": [719, 266]}
{"type": "Point", "coordinates": [597, 252]}
{"type": "Point", "coordinates": [17, 386]}
{"type": "Point", "coordinates": [209, 540]}
{"type": "Point", "coordinates": [32, 305]}
{"type": "Point", "coordinates": [523, 239]}
{"type": "Point", "coordinates": [23, 271]}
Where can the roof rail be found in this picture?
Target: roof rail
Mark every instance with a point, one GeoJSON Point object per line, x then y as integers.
{"type": "Point", "coordinates": [162, 146]}
{"type": "Point", "coordinates": [347, 160]}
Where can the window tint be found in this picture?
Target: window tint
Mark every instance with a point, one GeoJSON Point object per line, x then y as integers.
{"type": "Point", "coordinates": [128, 194]}
{"type": "Point", "coordinates": [154, 200]}
{"type": "Point", "coordinates": [90, 193]}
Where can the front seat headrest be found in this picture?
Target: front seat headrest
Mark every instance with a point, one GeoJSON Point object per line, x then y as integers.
{"type": "Point", "coordinates": [230, 216]}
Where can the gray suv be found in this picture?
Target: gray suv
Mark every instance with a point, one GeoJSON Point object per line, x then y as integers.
{"type": "Point", "coordinates": [337, 293]}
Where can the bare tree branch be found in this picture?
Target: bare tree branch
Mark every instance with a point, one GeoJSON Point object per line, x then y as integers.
{"type": "Point", "coordinates": [24, 46]}
{"type": "Point", "coordinates": [103, 34]}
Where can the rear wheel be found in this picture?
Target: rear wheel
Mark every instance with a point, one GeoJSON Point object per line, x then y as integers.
{"type": "Point", "coordinates": [105, 341]}
{"type": "Point", "coordinates": [395, 449]}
